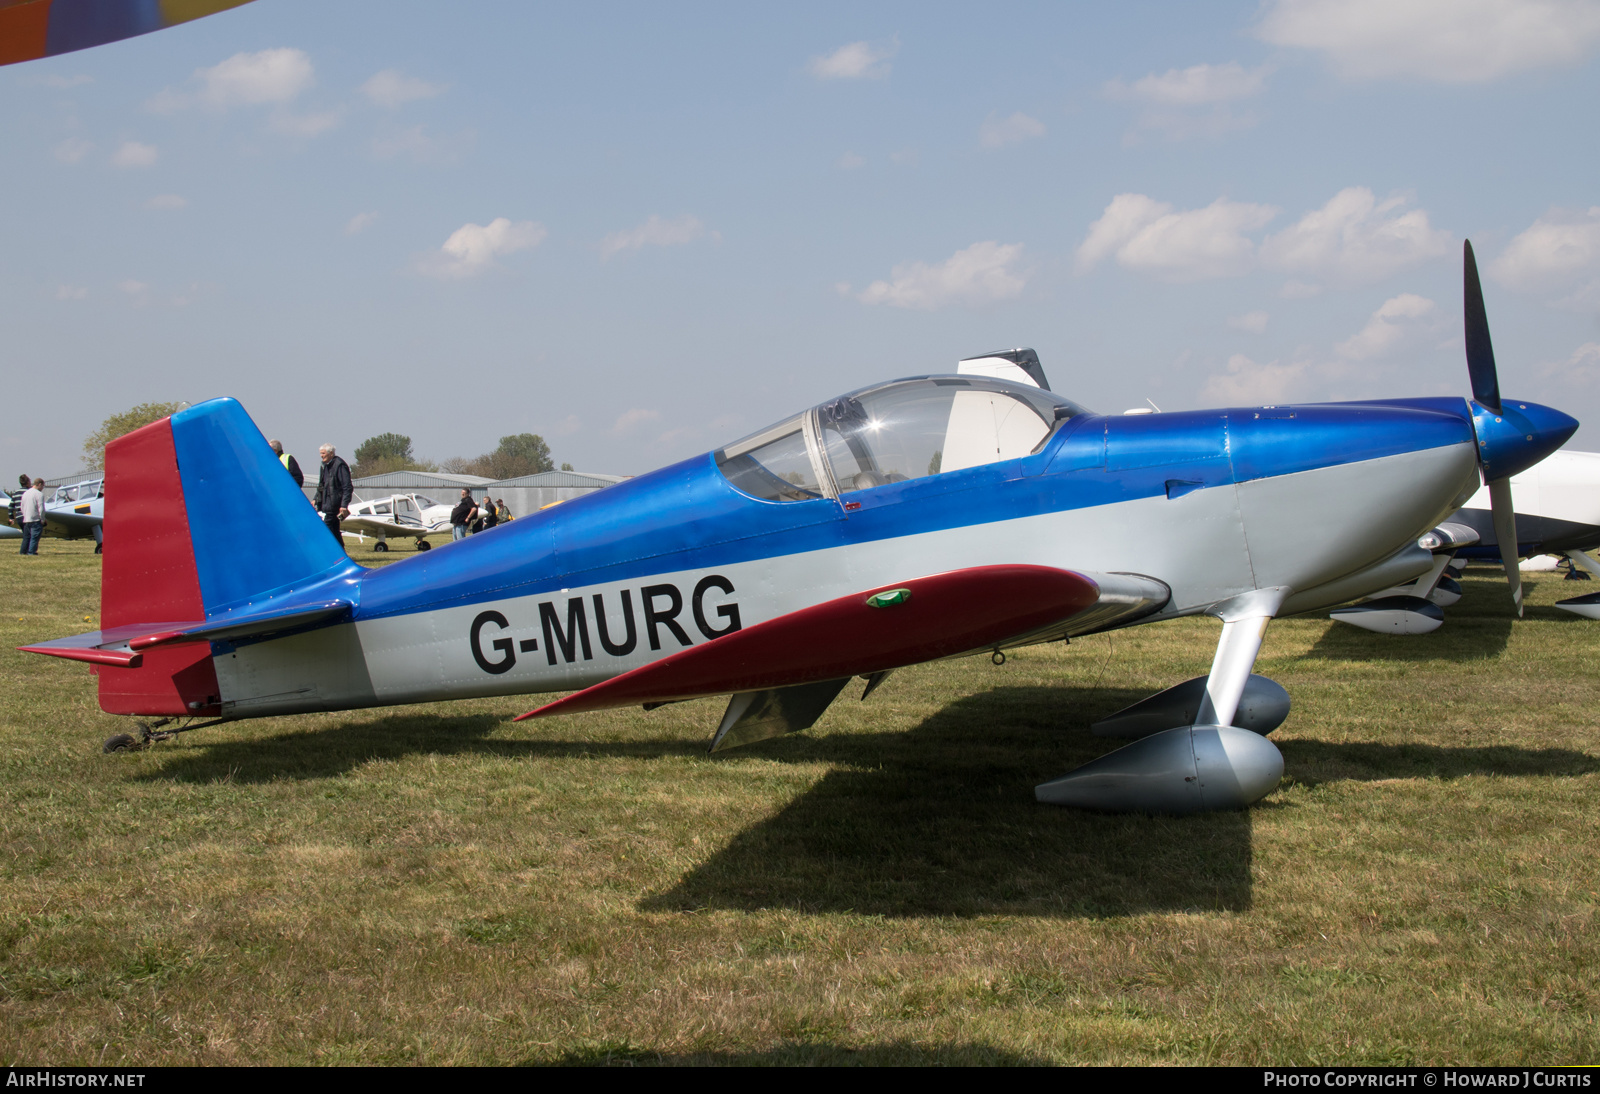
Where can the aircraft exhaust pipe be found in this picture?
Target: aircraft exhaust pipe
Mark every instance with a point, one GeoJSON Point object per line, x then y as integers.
{"type": "Point", "coordinates": [1192, 769]}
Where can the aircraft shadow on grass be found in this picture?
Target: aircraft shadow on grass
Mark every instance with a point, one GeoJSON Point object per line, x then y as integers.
{"type": "Point", "coordinates": [937, 821]}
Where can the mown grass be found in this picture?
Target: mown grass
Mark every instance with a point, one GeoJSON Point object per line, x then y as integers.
{"type": "Point", "coordinates": [435, 884]}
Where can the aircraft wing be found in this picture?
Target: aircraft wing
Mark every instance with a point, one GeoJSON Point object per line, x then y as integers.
{"type": "Point", "coordinates": [923, 619]}
{"type": "Point", "coordinates": [374, 527]}
{"type": "Point", "coordinates": [71, 520]}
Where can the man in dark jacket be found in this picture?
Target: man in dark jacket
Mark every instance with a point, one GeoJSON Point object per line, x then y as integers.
{"type": "Point", "coordinates": [463, 514]}
{"type": "Point", "coordinates": [333, 491]}
{"type": "Point", "coordinates": [15, 514]}
{"type": "Point", "coordinates": [290, 464]}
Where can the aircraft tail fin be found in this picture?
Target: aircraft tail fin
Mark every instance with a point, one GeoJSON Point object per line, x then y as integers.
{"type": "Point", "coordinates": [202, 523]}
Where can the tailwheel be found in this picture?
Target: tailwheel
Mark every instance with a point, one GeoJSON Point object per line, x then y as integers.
{"type": "Point", "coordinates": [122, 742]}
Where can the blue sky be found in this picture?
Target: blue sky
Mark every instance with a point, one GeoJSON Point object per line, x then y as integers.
{"type": "Point", "coordinates": [644, 230]}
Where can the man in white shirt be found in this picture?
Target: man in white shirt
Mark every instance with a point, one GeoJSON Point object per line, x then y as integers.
{"type": "Point", "coordinates": [32, 517]}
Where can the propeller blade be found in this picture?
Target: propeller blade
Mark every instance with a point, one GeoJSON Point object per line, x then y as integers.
{"type": "Point", "coordinates": [1505, 533]}
{"type": "Point", "coordinates": [1480, 351]}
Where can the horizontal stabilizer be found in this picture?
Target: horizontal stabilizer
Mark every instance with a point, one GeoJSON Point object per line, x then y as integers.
{"type": "Point", "coordinates": [123, 645]}
{"type": "Point", "coordinates": [924, 619]}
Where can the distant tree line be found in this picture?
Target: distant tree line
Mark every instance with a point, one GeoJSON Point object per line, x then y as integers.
{"type": "Point", "coordinates": [517, 455]}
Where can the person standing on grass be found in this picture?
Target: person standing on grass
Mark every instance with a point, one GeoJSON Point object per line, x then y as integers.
{"type": "Point", "coordinates": [491, 515]}
{"type": "Point", "coordinates": [333, 491]}
{"type": "Point", "coordinates": [290, 464]}
{"type": "Point", "coordinates": [462, 515]}
{"type": "Point", "coordinates": [32, 513]}
{"type": "Point", "coordinates": [15, 516]}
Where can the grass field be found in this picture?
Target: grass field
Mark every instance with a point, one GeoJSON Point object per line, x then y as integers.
{"type": "Point", "coordinates": [436, 885]}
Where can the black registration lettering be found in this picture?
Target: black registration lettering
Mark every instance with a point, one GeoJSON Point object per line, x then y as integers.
{"type": "Point", "coordinates": [730, 612]}
{"type": "Point", "coordinates": [576, 634]}
{"type": "Point", "coordinates": [667, 618]}
{"type": "Point", "coordinates": [632, 638]}
{"type": "Point", "coordinates": [501, 644]}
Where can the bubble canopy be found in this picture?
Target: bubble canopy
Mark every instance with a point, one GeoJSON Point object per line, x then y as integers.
{"type": "Point", "coordinates": [905, 429]}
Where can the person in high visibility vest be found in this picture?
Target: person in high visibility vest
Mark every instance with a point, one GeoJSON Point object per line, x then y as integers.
{"type": "Point", "coordinates": [289, 463]}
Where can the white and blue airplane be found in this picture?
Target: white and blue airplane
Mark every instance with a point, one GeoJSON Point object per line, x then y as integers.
{"type": "Point", "coordinates": [924, 518]}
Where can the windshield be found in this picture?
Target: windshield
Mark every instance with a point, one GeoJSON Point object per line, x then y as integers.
{"type": "Point", "coordinates": [907, 429]}
{"type": "Point", "coordinates": [774, 464]}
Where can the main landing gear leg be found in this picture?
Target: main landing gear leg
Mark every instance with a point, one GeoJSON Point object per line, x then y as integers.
{"type": "Point", "coordinates": [1210, 764]}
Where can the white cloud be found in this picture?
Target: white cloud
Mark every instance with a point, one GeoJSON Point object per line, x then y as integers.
{"type": "Point", "coordinates": [981, 274]}
{"type": "Point", "coordinates": [71, 292]}
{"type": "Point", "coordinates": [1191, 102]}
{"type": "Point", "coordinates": [72, 150]}
{"type": "Point", "coordinates": [567, 426]}
{"type": "Point", "coordinates": [1298, 290]}
{"type": "Point", "coordinates": [269, 76]}
{"type": "Point", "coordinates": [1147, 236]}
{"type": "Point", "coordinates": [997, 132]}
{"type": "Point", "coordinates": [629, 420]}
{"type": "Point", "coordinates": [359, 222]}
{"type": "Point", "coordinates": [132, 287]}
{"type": "Point", "coordinates": [1355, 239]}
{"type": "Point", "coordinates": [849, 161]}
{"type": "Point", "coordinates": [1249, 384]}
{"type": "Point", "coordinates": [1452, 41]}
{"type": "Point", "coordinates": [391, 88]}
{"type": "Point", "coordinates": [1582, 367]}
{"type": "Point", "coordinates": [1559, 251]}
{"type": "Point", "coordinates": [167, 201]}
{"type": "Point", "coordinates": [472, 248]}
{"type": "Point", "coordinates": [1394, 319]}
{"type": "Point", "coordinates": [134, 154]}
{"type": "Point", "coordinates": [1253, 321]}
{"type": "Point", "coordinates": [245, 79]}
{"type": "Point", "coordinates": [1197, 85]}
{"type": "Point", "coordinates": [305, 125]}
{"type": "Point", "coordinates": [654, 232]}
{"type": "Point", "coordinates": [855, 61]}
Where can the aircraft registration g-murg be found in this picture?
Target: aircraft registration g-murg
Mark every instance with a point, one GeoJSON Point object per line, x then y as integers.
{"type": "Point", "coordinates": [924, 518]}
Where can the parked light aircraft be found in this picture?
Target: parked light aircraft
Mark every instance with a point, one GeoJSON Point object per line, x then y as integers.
{"type": "Point", "coordinates": [1558, 512]}
{"type": "Point", "coordinates": [919, 519]}
{"type": "Point", "coordinates": [401, 516]}
{"type": "Point", "coordinates": [74, 511]}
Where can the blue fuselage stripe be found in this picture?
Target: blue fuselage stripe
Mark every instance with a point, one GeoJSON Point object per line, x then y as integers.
{"type": "Point", "coordinates": [688, 516]}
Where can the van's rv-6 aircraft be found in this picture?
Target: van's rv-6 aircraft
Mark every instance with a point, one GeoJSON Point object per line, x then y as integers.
{"type": "Point", "coordinates": [924, 518]}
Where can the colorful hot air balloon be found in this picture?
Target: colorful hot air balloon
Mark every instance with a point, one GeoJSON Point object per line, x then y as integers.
{"type": "Point", "coordinates": [30, 29]}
